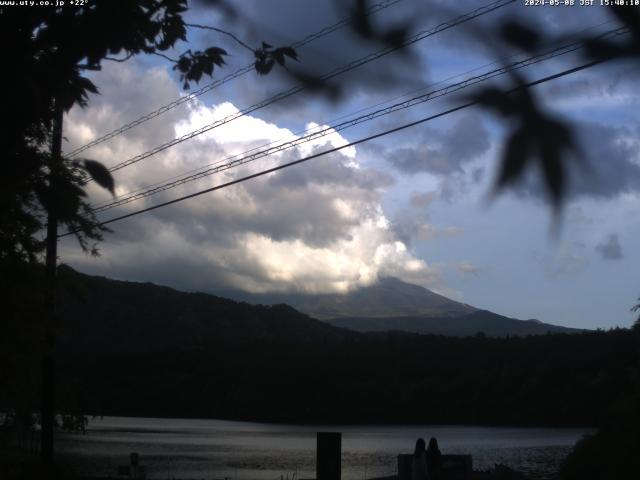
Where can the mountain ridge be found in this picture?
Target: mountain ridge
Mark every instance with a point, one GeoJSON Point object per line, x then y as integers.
{"type": "Point", "coordinates": [389, 297]}
{"type": "Point", "coordinates": [394, 305]}
{"type": "Point", "coordinates": [389, 305]}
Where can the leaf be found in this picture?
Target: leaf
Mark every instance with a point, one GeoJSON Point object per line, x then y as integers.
{"type": "Point", "coordinates": [264, 66]}
{"type": "Point", "coordinates": [289, 52]}
{"type": "Point", "coordinates": [279, 57]}
{"type": "Point", "coordinates": [495, 99]}
{"type": "Point", "coordinates": [360, 20]}
{"type": "Point", "coordinates": [396, 37]}
{"type": "Point", "coordinates": [520, 36]}
{"type": "Point", "coordinates": [183, 64]}
{"type": "Point", "coordinates": [516, 155]}
{"type": "Point", "coordinates": [557, 140]}
{"type": "Point", "coordinates": [215, 51]}
{"type": "Point", "coordinates": [87, 85]}
{"type": "Point", "coordinates": [100, 174]}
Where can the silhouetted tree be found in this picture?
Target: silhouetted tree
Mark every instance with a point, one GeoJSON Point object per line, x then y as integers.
{"type": "Point", "coordinates": [48, 50]}
{"type": "Point", "coordinates": [636, 324]}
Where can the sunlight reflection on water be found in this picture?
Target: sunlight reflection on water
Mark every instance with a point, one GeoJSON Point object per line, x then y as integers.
{"type": "Point", "coordinates": [215, 449]}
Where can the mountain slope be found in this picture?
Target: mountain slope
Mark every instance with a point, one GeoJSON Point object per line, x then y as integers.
{"type": "Point", "coordinates": [489, 323]}
{"type": "Point", "coordinates": [389, 297]}
{"type": "Point", "coordinates": [394, 305]}
{"type": "Point", "coordinates": [133, 317]}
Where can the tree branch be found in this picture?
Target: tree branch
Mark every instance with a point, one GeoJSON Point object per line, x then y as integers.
{"type": "Point", "coordinates": [206, 27]}
{"type": "Point", "coordinates": [165, 57]}
{"type": "Point", "coordinates": [119, 59]}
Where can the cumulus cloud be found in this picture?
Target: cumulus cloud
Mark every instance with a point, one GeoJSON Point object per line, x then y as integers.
{"type": "Point", "coordinates": [317, 227]}
{"type": "Point", "coordinates": [410, 227]}
{"type": "Point", "coordinates": [610, 248]}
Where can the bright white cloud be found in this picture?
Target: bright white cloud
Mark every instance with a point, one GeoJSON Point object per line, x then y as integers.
{"type": "Point", "coordinates": [318, 227]}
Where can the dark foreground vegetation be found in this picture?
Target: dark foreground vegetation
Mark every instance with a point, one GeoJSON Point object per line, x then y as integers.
{"type": "Point", "coordinates": [144, 350]}
{"type": "Point", "coordinates": [139, 349]}
{"type": "Point", "coordinates": [554, 380]}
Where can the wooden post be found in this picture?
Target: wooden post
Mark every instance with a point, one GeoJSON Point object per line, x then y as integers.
{"type": "Point", "coordinates": [50, 297]}
{"type": "Point", "coordinates": [328, 456]}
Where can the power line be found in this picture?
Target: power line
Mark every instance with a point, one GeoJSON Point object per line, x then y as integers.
{"type": "Point", "coordinates": [315, 134]}
{"type": "Point", "coordinates": [186, 176]}
{"type": "Point", "coordinates": [341, 147]}
{"type": "Point", "coordinates": [299, 88]}
{"type": "Point", "coordinates": [238, 73]}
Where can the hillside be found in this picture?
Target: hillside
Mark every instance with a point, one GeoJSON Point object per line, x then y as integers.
{"type": "Point", "coordinates": [394, 305]}
{"type": "Point", "coordinates": [98, 312]}
{"type": "Point", "coordinates": [144, 350]}
{"type": "Point", "coordinates": [478, 321]}
{"type": "Point", "coordinates": [389, 297]}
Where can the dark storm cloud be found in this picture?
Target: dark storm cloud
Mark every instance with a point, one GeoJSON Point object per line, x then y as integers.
{"type": "Point", "coordinates": [443, 151]}
{"type": "Point", "coordinates": [610, 248]}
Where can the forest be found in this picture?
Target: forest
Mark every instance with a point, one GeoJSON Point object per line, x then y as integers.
{"type": "Point", "coordinates": [368, 379]}
{"type": "Point", "coordinates": [144, 350]}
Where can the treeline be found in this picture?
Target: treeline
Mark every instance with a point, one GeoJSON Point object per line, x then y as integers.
{"type": "Point", "coordinates": [139, 349]}
{"type": "Point", "coordinates": [543, 380]}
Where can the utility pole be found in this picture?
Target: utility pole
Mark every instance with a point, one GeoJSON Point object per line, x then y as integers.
{"type": "Point", "coordinates": [50, 294]}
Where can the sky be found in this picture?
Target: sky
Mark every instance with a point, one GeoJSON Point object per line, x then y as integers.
{"type": "Point", "coordinates": [416, 204]}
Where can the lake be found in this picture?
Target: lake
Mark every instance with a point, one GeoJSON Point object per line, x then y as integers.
{"type": "Point", "coordinates": [218, 449]}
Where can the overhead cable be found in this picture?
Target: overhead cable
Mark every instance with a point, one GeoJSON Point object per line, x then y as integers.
{"type": "Point", "coordinates": [333, 73]}
{"type": "Point", "coordinates": [216, 83]}
{"type": "Point", "coordinates": [317, 133]}
{"type": "Point", "coordinates": [338, 148]}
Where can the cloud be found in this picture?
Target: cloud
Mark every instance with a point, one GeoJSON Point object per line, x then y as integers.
{"type": "Point", "coordinates": [285, 22]}
{"type": "Point", "coordinates": [577, 215]}
{"type": "Point", "coordinates": [316, 227]}
{"type": "Point", "coordinates": [421, 200]}
{"type": "Point", "coordinates": [610, 248]}
{"type": "Point", "coordinates": [467, 268]}
{"type": "Point", "coordinates": [410, 227]}
{"type": "Point", "coordinates": [562, 263]}
{"type": "Point", "coordinates": [612, 155]}
{"type": "Point", "coordinates": [611, 86]}
{"type": "Point", "coordinates": [443, 152]}
{"type": "Point", "coordinates": [606, 165]}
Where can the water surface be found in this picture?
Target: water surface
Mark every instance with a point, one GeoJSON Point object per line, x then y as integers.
{"type": "Point", "coordinates": [218, 449]}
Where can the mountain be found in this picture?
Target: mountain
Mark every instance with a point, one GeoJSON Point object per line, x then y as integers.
{"type": "Point", "coordinates": [98, 312]}
{"type": "Point", "coordinates": [478, 321]}
{"type": "Point", "coordinates": [387, 298]}
{"type": "Point", "coordinates": [133, 316]}
{"type": "Point", "coordinates": [140, 349]}
{"type": "Point", "coordinates": [394, 305]}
